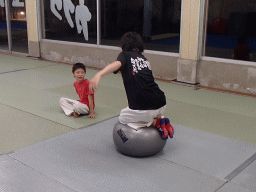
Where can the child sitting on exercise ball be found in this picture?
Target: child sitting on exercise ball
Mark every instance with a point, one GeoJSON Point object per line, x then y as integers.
{"type": "Point", "coordinates": [146, 102]}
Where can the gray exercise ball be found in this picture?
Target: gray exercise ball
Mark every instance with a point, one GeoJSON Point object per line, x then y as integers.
{"type": "Point", "coordinates": [137, 143]}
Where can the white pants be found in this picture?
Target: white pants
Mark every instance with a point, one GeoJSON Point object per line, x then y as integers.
{"type": "Point", "coordinates": [139, 118]}
{"type": "Point", "coordinates": [69, 106]}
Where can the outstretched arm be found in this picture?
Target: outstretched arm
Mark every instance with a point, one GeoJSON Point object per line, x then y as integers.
{"type": "Point", "coordinates": [91, 114]}
{"type": "Point", "coordinates": [108, 69]}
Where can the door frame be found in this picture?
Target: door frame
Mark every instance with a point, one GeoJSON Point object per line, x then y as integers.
{"type": "Point", "coordinates": [9, 28]}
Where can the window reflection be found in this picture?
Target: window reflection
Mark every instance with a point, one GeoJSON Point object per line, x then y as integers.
{"type": "Point", "coordinates": [3, 29]}
{"type": "Point", "coordinates": [71, 20]}
{"type": "Point", "coordinates": [19, 26]}
{"type": "Point", "coordinates": [231, 32]}
{"type": "Point", "coordinates": [157, 21]}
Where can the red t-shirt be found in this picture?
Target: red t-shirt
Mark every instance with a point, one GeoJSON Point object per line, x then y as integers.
{"type": "Point", "coordinates": [83, 91]}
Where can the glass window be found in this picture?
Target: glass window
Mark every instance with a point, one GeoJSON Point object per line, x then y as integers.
{"type": "Point", "coordinates": [157, 21]}
{"type": "Point", "coordinates": [70, 20]}
{"type": "Point", "coordinates": [19, 26]}
{"type": "Point", "coordinates": [231, 29]}
{"type": "Point", "coordinates": [3, 28]}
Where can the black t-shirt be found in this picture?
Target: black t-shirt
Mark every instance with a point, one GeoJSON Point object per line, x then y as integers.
{"type": "Point", "coordinates": [141, 90]}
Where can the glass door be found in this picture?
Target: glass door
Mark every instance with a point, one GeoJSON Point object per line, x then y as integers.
{"type": "Point", "coordinates": [3, 28]}
{"type": "Point", "coordinates": [13, 26]}
{"type": "Point", "coordinates": [19, 26]}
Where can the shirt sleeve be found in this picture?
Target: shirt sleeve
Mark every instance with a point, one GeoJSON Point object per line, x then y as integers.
{"type": "Point", "coordinates": [90, 93]}
{"type": "Point", "coordinates": [122, 58]}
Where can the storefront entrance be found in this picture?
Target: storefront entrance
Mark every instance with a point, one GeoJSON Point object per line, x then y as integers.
{"type": "Point", "coordinates": [13, 26]}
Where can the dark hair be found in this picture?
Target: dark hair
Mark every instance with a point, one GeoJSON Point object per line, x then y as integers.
{"type": "Point", "coordinates": [130, 41]}
{"type": "Point", "coordinates": [77, 66]}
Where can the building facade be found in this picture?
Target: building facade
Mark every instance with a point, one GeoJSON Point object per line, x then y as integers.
{"type": "Point", "coordinates": [207, 42]}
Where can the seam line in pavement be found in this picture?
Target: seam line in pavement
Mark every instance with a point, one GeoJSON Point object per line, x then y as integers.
{"type": "Point", "coordinates": [26, 69]}
{"type": "Point", "coordinates": [240, 168]}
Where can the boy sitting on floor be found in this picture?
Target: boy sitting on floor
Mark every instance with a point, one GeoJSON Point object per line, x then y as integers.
{"type": "Point", "coordinates": [146, 102]}
{"type": "Point", "coordinates": [86, 103]}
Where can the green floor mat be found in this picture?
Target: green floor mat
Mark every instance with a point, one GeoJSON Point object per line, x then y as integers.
{"type": "Point", "coordinates": [54, 77]}
{"type": "Point", "coordinates": [20, 129]}
{"type": "Point", "coordinates": [57, 75]}
{"type": "Point", "coordinates": [39, 78]}
{"type": "Point", "coordinates": [37, 91]}
{"type": "Point", "coordinates": [40, 89]}
{"type": "Point", "coordinates": [45, 103]}
{"type": "Point", "coordinates": [218, 122]}
{"type": "Point", "coordinates": [220, 101]}
{"type": "Point", "coordinates": [13, 63]}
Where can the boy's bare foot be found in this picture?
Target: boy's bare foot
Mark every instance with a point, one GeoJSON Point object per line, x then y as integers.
{"type": "Point", "coordinates": [75, 114]}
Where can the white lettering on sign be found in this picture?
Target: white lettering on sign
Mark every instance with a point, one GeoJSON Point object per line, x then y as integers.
{"type": "Point", "coordinates": [15, 3]}
{"type": "Point", "coordinates": [82, 14]}
{"type": "Point", "coordinates": [58, 4]}
{"type": "Point", "coordinates": [1, 3]}
{"type": "Point", "coordinates": [69, 8]}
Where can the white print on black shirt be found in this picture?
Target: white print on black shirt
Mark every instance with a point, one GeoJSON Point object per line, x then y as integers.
{"type": "Point", "coordinates": [139, 63]}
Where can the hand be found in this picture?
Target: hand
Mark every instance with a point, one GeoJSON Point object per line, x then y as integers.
{"type": "Point", "coordinates": [92, 116]}
{"type": "Point", "coordinates": [94, 83]}
{"type": "Point", "coordinates": [108, 69]}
